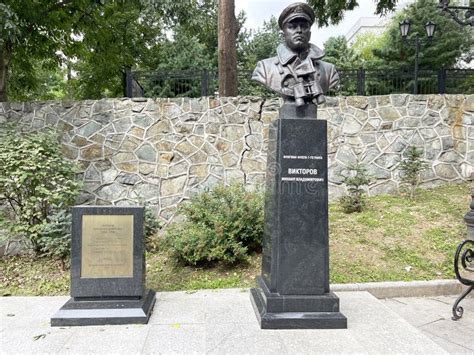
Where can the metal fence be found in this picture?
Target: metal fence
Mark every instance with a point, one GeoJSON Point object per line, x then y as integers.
{"type": "Point", "coordinates": [197, 83]}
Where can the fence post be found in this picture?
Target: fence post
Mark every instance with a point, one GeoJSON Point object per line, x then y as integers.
{"type": "Point", "coordinates": [128, 83]}
{"type": "Point", "coordinates": [442, 81]}
{"type": "Point", "coordinates": [205, 83]}
{"type": "Point", "coordinates": [361, 82]}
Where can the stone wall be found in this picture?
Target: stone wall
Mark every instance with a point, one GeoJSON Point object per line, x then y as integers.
{"type": "Point", "coordinates": [163, 150]}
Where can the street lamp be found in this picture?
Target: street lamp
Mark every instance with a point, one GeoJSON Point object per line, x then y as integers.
{"type": "Point", "coordinates": [417, 41]}
{"type": "Point", "coordinates": [456, 11]}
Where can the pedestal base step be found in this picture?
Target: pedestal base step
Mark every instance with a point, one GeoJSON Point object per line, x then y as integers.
{"type": "Point", "coordinates": [102, 312]}
{"type": "Point", "coordinates": [294, 320]}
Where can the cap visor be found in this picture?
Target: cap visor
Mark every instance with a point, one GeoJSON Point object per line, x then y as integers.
{"type": "Point", "coordinates": [298, 15]}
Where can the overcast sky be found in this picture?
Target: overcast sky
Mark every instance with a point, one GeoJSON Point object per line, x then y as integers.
{"type": "Point", "coordinates": [258, 11]}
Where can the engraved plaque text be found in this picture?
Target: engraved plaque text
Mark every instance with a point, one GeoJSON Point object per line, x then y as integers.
{"type": "Point", "coordinates": [107, 246]}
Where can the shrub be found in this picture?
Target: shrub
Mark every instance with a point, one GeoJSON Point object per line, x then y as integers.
{"type": "Point", "coordinates": [358, 177]}
{"type": "Point", "coordinates": [151, 227]}
{"type": "Point", "coordinates": [223, 224]}
{"type": "Point", "coordinates": [411, 168]}
{"type": "Point", "coordinates": [35, 181]}
{"type": "Point", "coordinates": [55, 237]}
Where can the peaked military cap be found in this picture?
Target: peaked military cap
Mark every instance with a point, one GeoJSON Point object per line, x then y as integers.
{"type": "Point", "coordinates": [296, 10]}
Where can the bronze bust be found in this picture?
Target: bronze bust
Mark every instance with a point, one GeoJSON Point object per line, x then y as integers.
{"type": "Point", "coordinates": [297, 72]}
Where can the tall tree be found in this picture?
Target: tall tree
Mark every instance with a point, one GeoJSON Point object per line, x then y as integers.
{"type": "Point", "coordinates": [332, 11]}
{"type": "Point", "coordinates": [339, 53]}
{"type": "Point", "coordinates": [34, 32]}
{"type": "Point", "coordinates": [121, 35]}
{"type": "Point", "coordinates": [259, 44]}
{"type": "Point", "coordinates": [101, 36]}
{"type": "Point", "coordinates": [227, 50]}
{"type": "Point", "coordinates": [364, 46]}
{"type": "Point", "coordinates": [449, 42]}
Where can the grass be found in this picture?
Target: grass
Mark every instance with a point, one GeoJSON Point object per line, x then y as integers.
{"type": "Point", "coordinates": [394, 239]}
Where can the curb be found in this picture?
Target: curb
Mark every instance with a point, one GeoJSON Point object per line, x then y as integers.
{"type": "Point", "coordinates": [404, 288]}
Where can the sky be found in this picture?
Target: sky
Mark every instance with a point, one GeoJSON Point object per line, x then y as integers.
{"type": "Point", "coordinates": [258, 11]}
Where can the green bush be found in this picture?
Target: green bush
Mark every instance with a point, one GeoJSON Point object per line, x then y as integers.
{"type": "Point", "coordinates": [35, 182]}
{"type": "Point", "coordinates": [223, 224]}
{"type": "Point", "coordinates": [55, 237]}
{"type": "Point", "coordinates": [358, 177]}
{"type": "Point", "coordinates": [151, 227]}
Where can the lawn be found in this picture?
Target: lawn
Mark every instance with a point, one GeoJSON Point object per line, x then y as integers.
{"type": "Point", "coordinates": [394, 239]}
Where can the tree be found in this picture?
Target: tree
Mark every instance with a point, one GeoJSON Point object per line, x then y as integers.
{"type": "Point", "coordinates": [411, 167]}
{"type": "Point", "coordinates": [227, 56]}
{"type": "Point", "coordinates": [34, 32]}
{"type": "Point", "coordinates": [123, 34]}
{"type": "Point", "coordinates": [339, 53]}
{"type": "Point", "coordinates": [259, 44]}
{"type": "Point", "coordinates": [332, 12]}
{"type": "Point", "coordinates": [449, 42]}
{"type": "Point", "coordinates": [364, 46]}
{"type": "Point", "coordinates": [99, 38]}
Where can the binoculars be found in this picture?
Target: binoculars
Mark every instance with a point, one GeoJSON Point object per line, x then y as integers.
{"type": "Point", "coordinates": [311, 91]}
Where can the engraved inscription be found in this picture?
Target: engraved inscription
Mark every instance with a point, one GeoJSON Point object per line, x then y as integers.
{"type": "Point", "coordinates": [107, 246]}
{"type": "Point", "coordinates": [302, 174]}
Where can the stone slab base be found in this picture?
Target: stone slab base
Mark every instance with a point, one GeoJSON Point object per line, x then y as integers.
{"type": "Point", "coordinates": [294, 320]}
{"type": "Point", "coordinates": [102, 312]}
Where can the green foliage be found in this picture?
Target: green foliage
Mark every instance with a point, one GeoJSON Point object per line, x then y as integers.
{"type": "Point", "coordinates": [332, 12]}
{"type": "Point", "coordinates": [358, 177]}
{"type": "Point", "coordinates": [55, 237]}
{"type": "Point", "coordinates": [121, 35]}
{"type": "Point", "coordinates": [449, 41]}
{"type": "Point", "coordinates": [340, 54]}
{"type": "Point", "coordinates": [41, 32]}
{"type": "Point", "coordinates": [252, 47]}
{"type": "Point", "coordinates": [223, 224]}
{"type": "Point", "coordinates": [35, 181]}
{"type": "Point", "coordinates": [411, 168]}
{"type": "Point", "coordinates": [151, 228]}
{"type": "Point", "coordinates": [364, 46]}
{"type": "Point", "coordinates": [96, 40]}
{"type": "Point", "coordinates": [8, 25]}
{"type": "Point", "coordinates": [260, 44]}
{"type": "Point", "coordinates": [48, 83]}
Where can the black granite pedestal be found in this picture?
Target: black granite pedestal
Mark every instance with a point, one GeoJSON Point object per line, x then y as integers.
{"type": "Point", "coordinates": [105, 311]}
{"type": "Point", "coordinates": [107, 269]}
{"type": "Point", "coordinates": [293, 290]}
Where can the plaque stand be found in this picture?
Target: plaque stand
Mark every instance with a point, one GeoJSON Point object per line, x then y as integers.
{"type": "Point", "coordinates": [293, 290]}
{"type": "Point", "coordinates": [107, 269]}
{"type": "Point", "coordinates": [95, 311]}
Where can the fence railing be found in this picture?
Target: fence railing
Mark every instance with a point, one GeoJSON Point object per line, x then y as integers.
{"type": "Point", "coordinates": [197, 83]}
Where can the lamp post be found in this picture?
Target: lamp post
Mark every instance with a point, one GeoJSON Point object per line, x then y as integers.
{"type": "Point", "coordinates": [417, 41]}
{"type": "Point", "coordinates": [456, 11]}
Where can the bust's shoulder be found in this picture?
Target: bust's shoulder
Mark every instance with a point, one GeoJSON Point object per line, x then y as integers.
{"type": "Point", "coordinates": [326, 64]}
{"type": "Point", "coordinates": [264, 69]}
{"type": "Point", "coordinates": [268, 61]}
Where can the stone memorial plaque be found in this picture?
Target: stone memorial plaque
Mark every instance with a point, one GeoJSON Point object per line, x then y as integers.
{"type": "Point", "coordinates": [107, 268]}
{"type": "Point", "coordinates": [107, 246]}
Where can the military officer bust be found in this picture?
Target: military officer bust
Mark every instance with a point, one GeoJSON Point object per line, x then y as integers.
{"type": "Point", "coordinates": [297, 72]}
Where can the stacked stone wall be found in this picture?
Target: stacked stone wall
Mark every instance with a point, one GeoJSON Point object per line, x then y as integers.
{"type": "Point", "coordinates": [163, 150]}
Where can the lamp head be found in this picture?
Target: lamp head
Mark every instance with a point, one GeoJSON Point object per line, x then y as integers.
{"type": "Point", "coordinates": [430, 29]}
{"type": "Point", "coordinates": [404, 28]}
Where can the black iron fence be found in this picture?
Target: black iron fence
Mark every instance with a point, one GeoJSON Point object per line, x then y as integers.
{"type": "Point", "coordinates": [197, 83]}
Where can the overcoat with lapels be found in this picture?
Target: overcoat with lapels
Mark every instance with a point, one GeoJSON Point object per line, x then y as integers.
{"type": "Point", "coordinates": [280, 72]}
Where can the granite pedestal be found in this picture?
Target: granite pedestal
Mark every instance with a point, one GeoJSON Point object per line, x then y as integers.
{"type": "Point", "coordinates": [107, 269]}
{"type": "Point", "coordinates": [293, 290]}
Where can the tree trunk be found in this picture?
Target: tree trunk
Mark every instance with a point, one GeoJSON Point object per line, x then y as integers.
{"type": "Point", "coordinates": [4, 61]}
{"type": "Point", "coordinates": [227, 59]}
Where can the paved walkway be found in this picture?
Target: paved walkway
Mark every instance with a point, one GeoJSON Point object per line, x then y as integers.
{"type": "Point", "coordinates": [219, 322]}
